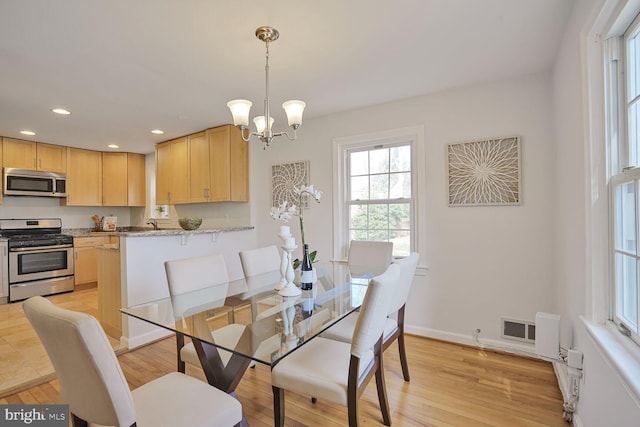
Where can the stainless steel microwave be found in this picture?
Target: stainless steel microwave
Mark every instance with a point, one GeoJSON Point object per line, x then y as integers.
{"type": "Point", "coordinates": [25, 182]}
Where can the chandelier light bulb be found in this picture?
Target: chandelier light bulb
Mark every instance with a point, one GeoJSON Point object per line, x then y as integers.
{"type": "Point", "coordinates": [261, 124]}
{"type": "Point", "coordinates": [240, 107]}
{"type": "Point", "coordinates": [294, 109]}
{"type": "Point", "coordinates": [240, 111]}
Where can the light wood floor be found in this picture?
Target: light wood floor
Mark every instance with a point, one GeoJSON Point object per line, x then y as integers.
{"type": "Point", "coordinates": [451, 385]}
{"type": "Point", "coordinates": [23, 360]}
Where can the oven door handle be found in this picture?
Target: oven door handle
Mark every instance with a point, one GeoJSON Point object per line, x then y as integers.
{"type": "Point", "coordinates": [40, 248]}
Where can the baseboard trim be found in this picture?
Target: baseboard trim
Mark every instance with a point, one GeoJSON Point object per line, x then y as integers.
{"type": "Point", "coordinates": [506, 346]}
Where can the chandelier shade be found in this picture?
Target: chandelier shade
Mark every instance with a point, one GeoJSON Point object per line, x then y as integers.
{"type": "Point", "coordinates": [240, 108]}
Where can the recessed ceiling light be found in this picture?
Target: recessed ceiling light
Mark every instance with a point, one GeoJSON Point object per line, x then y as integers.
{"type": "Point", "coordinates": [157, 131]}
{"type": "Point", "coordinates": [27, 132]}
{"type": "Point", "coordinates": [113, 146]}
{"type": "Point", "coordinates": [61, 111]}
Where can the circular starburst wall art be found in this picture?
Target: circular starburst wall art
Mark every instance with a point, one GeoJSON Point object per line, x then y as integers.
{"type": "Point", "coordinates": [484, 172]}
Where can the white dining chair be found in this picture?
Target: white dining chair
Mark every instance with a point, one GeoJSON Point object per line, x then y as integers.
{"type": "Point", "coordinates": [369, 256]}
{"type": "Point", "coordinates": [394, 325]}
{"type": "Point", "coordinates": [260, 260]}
{"type": "Point", "coordinates": [192, 274]}
{"type": "Point", "coordinates": [339, 371]}
{"type": "Point", "coordinates": [94, 387]}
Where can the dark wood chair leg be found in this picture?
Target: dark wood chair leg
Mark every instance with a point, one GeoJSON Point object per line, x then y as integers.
{"type": "Point", "coordinates": [382, 393]}
{"type": "Point", "coordinates": [401, 347]}
{"type": "Point", "coordinates": [179, 345]}
{"type": "Point", "coordinates": [78, 422]}
{"type": "Point", "coordinates": [403, 358]}
{"type": "Point", "coordinates": [278, 406]}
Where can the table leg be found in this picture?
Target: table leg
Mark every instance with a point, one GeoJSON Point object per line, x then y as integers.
{"type": "Point", "coordinates": [225, 378]}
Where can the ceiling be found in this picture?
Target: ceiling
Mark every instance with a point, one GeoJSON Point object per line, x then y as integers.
{"type": "Point", "coordinates": [126, 67]}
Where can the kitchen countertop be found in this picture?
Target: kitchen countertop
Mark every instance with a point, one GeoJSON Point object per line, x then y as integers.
{"type": "Point", "coordinates": [149, 232]}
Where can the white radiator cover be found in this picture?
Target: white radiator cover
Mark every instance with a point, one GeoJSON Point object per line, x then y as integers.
{"type": "Point", "coordinates": [547, 342]}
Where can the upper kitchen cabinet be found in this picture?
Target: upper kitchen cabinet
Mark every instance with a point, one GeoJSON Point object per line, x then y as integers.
{"type": "Point", "coordinates": [199, 176]}
{"type": "Point", "coordinates": [228, 165]}
{"type": "Point", "coordinates": [123, 179]}
{"type": "Point", "coordinates": [84, 178]}
{"type": "Point", "coordinates": [22, 154]}
{"type": "Point", "coordinates": [172, 172]}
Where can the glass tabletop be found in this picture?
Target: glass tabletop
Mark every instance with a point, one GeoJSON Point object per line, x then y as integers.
{"type": "Point", "coordinates": [249, 318]}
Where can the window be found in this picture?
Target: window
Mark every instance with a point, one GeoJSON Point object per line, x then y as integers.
{"type": "Point", "coordinates": [378, 178]}
{"type": "Point", "coordinates": [379, 196]}
{"type": "Point", "coordinates": [623, 74]}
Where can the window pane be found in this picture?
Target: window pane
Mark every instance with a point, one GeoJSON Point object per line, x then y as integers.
{"type": "Point", "coordinates": [625, 217]}
{"type": "Point", "coordinates": [399, 216]}
{"type": "Point", "coordinates": [379, 160]}
{"type": "Point", "coordinates": [358, 235]}
{"type": "Point", "coordinates": [400, 159]}
{"type": "Point", "coordinates": [401, 242]}
{"type": "Point", "coordinates": [626, 290]}
{"type": "Point", "coordinates": [360, 188]}
{"type": "Point", "coordinates": [379, 217]}
{"type": "Point", "coordinates": [358, 216]}
{"type": "Point", "coordinates": [632, 59]}
{"type": "Point", "coordinates": [379, 187]}
{"type": "Point", "coordinates": [400, 185]}
{"type": "Point", "coordinates": [634, 122]}
{"type": "Point", "coordinates": [359, 163]}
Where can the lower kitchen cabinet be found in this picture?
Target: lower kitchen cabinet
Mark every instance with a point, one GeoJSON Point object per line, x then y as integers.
{"type": "Point", "coordinates": [86, 258]}
{"type": "Point", "coordinates": [109, 290]}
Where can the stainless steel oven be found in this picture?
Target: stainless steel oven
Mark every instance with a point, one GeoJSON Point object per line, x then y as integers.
{"type": "Point", "coordinates": [40, 258]}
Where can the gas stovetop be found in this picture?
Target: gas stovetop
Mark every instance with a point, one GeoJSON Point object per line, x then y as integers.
{"type": "Point", "coordinates": [27, 233]}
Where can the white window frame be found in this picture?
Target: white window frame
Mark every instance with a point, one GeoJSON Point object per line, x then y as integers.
{"type": "Point", "coordinates": [411, 135]}
{"type": "Point", "coordinates": [616, 67]}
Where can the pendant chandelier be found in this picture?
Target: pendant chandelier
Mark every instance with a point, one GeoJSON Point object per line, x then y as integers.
{"type": "Point", "coordinates": [264, 128]}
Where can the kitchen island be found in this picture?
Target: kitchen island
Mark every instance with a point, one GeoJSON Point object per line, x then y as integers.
{"type": "Point", "coordinates": [140, 257]}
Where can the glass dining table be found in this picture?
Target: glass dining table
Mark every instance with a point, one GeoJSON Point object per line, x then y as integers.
{"type": "Point", "coordinates": [237, 322]}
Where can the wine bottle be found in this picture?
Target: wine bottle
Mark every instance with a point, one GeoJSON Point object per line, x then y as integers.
{"type": "Point", "coordinates": [306, 270]}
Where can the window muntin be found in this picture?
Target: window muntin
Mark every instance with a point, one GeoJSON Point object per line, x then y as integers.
{"type": "Point", "coordinates": [380, 196]}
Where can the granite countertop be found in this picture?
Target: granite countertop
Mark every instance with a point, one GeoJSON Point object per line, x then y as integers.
{"type": "Point", "coordinates": [148, 231]}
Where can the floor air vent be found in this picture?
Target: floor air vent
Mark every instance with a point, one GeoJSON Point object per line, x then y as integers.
{"type": "Point", "coordinates": [520, 330]}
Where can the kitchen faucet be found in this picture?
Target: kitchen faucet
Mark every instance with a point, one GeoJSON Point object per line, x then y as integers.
{"type": "Point", "coordinates": [153, 222]}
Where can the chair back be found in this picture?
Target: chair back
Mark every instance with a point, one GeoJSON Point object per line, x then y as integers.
{"type": "Point", "coordinates": [91, 380]}
{"type": "Point", "coordinates": [369, 256]}
{"type": "Point", "coordinates": [373, 312]}
{"type": "Point", "coordinates": [400, 294]}
{"type": "Point", "coordinates": [260, 260]}
{"type": "Point", "coordinates": [191, 274]}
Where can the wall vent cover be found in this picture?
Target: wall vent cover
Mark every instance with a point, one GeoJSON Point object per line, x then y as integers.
{"type": "Point", "coordinates": [519, 330]}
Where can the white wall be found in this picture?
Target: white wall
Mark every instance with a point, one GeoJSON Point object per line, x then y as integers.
{"type": "Point", "coordinates": [483, 262]}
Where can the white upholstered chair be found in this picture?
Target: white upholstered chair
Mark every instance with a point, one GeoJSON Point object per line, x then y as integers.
{"type": "Point", "coordinates": [394, 325]}
{"type": "Point", "coordinates": [339, 371]}
{"type": "Point", "coordinates": [191, 274]}
{"type": "Point", "coordinates": [369, 256]}
{"type": "Point", "coordinates": [260, 260]}
{"type": "Point", "coordinates": [92, 382]}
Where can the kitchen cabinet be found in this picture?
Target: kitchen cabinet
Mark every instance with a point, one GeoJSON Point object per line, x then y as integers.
{"type": "Point", "coordinates": [109, 289]}
{"type": "Point", "coordinates": [172, 172]}
{"type": "Point", "coordinates": [199, 174]}
{"type": "Point", "coordinates": [123, 179]}
{"type": "Point", "coordinates": [1, 162]}
{"type": "Point", "coordinates": [85, 257]}
{"type": "Point", "coordinates": [218, 166]}
{"type": "Point", "coordinates": [34, 155]}
{"type": "Point", "coordinates": [228, 165]}
{"type": "Point", "coordinates": [84, 178]}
